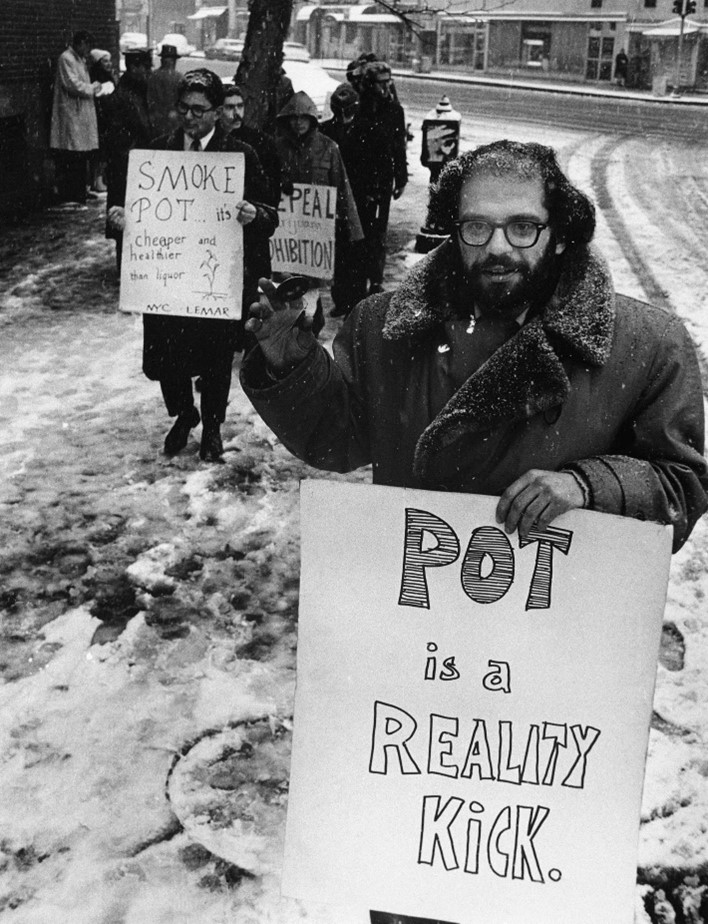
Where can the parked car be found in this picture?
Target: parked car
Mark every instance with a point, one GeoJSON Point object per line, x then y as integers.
{"type": "Point", "coordinates": [130, 40]}
{"type": "Point", "coordinates": [304, 73]}
{"type": "Point", "coordinates": [225, 49]}
{"type": "Point", "coordinates": [294, 51]}
{"type": "Point", "coordinates": [179, 41]}
{"type": "Point", "coordinates": [314, 80]}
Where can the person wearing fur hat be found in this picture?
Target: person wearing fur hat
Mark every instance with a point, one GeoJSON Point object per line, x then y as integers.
{"type": "Point", "coordinates": [504, 364]}
{"type": "Point", "coordinates": [363, 147]}
{"type": "Point", "coordinates": [380, 109]}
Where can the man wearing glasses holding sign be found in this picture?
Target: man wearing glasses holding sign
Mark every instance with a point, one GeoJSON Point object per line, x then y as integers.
{"type": "Point", "coordinates": [504, 364]}
{"type": "Point", "coordinates": [177, 348]}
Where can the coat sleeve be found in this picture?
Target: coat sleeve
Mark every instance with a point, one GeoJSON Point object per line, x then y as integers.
{"type": "Point", "coordinates": [662, 474]}
{"type": "Point", "coordinates": [318, 411]}
{"type": "Point", "coordinates": [256, 191]}
{"type": "Point", "coordinates": [72, 80]}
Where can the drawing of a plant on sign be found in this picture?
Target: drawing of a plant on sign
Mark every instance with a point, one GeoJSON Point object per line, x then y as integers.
{"type": "Point", "coordinates": [210, 265]}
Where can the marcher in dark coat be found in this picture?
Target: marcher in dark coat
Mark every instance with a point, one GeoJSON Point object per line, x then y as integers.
{"type": "Point", "coordinates": [162, 89]}
{"type": "Point", "coordinates": [128, 128]}
{"type": "Point", "coordinates": [621, 67]}
{"type": "Point", "coordinates": [232, 121]}
{"type": "Point", "coordinates": [177, 348]}
{"type": "Point", "coordinates": [504, 364]}
{"type": "Point", "coordinates": [380, 109]}
{"type": "Point", "coordinates": [364, 149]}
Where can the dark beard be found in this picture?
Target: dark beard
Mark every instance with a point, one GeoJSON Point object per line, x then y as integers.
{"type": "Point", "coordinates": [536, 286]}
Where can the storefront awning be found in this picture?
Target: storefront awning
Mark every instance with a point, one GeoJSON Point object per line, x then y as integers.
{"type": "Point", "coordinates": [208, 12]}
{"type": "Point", "coordinates": [304, 13]}
{"type": "Point", "coordinates": [359, 15]}
{"type": "Point", "coordinates": [671, 29]}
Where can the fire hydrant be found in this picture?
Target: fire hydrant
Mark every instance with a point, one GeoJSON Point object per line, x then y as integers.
{"type": "Point", "coordinates": [441, 142]}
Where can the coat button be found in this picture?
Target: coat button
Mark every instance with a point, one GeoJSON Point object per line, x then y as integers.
{"type": "Point", "coordinates": [551, 414]}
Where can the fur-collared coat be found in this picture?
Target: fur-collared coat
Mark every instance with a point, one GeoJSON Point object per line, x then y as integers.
{"type": "Point", "coordinates": [598, 383]}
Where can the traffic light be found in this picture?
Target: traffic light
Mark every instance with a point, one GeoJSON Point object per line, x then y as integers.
{"type": "Point", "coordinates": [678, 7]}
{"type": "Point", "coordinates": [690, 7]}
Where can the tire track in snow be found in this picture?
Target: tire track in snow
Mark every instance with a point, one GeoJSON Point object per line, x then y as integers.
{"type": "Point", "coordinates": [656, 294]}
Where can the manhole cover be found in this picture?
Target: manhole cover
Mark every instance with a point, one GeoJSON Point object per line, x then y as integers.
{"type": "Point", "coordinates": [230, 791]}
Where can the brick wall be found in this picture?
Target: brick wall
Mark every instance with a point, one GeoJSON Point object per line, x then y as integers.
{"type": "Point", "coordinates": [33, 33]}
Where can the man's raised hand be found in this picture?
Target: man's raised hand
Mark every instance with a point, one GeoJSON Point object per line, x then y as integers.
{"type": "Point", "coordinates": [282, 328]}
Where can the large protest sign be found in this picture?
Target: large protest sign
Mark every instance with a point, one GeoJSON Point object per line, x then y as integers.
{"type": "Point", "coordinates": [304, 239]}
{"type": "Point", "coordinates": [183, 245]}
{"type": "Point", "coordinates": [472, 711]}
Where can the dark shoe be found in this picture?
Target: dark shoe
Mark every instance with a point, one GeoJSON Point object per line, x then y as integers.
{"type": "Point", "coordinates": [176, 439]}
{"type": "Point", "coordinates": [339, 312]}
{"type": "Point", "coordinates": [212, 449]}
{"type": "Point", "coordinates": [375, 288]}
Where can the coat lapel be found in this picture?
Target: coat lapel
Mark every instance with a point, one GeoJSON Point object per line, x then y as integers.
{"type": "Point", "coordinates": [526, 376]}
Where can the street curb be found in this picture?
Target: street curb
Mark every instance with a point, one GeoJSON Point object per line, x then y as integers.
{"type": "Point", "coordinates": [563, 89]}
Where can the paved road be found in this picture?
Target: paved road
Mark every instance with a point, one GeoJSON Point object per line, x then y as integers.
{"type": "Point", "coordinates": [621, 116]}
{"type": "Point", "coordinates": [643, 164]}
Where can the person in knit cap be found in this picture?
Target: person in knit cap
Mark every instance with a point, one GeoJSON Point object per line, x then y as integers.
{"type": "Point", "coordinates": [504, 364]}
{"type": "Point", "coordinates": [363, 147]}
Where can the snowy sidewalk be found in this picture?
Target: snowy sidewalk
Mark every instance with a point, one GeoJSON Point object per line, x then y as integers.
{"type": "Point", "coordinates": [188, 575]}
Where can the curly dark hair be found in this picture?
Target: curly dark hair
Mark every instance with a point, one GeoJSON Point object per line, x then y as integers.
{"type": "Point", "coordinates": [202, 80]}
{"type": "Point", "coordinates": [572, 214]}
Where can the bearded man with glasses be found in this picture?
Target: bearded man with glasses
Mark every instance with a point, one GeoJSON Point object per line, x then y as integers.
{"type": "Point", "coordinates": [504, 364]}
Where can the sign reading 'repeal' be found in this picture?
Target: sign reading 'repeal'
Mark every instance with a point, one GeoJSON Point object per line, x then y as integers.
{"type": "Point", "coordinates": [304, 239]}
{"type": "Point", "coordinates": [183, 245]}
{"type": "Point", "coordinates": [472, 709]}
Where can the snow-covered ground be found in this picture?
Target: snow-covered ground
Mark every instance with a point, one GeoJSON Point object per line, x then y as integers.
{"type": "Point", "coordinates": [148, 604]}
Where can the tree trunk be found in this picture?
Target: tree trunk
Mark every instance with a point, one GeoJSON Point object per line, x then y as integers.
{"type": "Point", "coordinates": [259, 70]}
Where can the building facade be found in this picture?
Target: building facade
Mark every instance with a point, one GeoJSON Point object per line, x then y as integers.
{"type": "Point", "coordinates": [33, 33]}
{"type": "Point", "coordinates": [576, 40]}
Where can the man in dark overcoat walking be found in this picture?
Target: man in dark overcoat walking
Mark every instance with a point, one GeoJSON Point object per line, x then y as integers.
{"type": "Point", "coordinates": [178, 349]}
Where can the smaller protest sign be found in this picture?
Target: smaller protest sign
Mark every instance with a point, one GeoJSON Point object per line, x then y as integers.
{"type": "Point", "coordinates": [183, 244]}
{"type": "Point", "coordinates": [304, 239]}
{"type": "Point", "coordinates": [441, 141]}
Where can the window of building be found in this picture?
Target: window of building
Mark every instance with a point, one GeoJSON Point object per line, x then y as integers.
{"type": "Point", "coordinates": [650, 3]}
{"type": "Point", "coordinates": [600, 57]}
{"type": "Point", "coordinates": [595, 4]}
{"type": "Point", "coordinates": [535, 46]}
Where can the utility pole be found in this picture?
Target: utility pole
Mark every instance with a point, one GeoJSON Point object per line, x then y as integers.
{"type": "Point", "coordinates": [683, 8]}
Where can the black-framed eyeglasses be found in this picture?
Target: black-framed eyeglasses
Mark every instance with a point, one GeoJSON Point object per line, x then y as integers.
{"type": "Point", "coordinates": [519, 232]}
{"type": "Point", "coordinates": [197, 111]}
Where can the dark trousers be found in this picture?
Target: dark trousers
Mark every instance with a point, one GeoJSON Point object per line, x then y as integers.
{"type": "Point", "coordinates": [72, 174]}
{"type": "Point", "coordinates": [384, 917]}
{"type": "Point", "coordinates": [374, 222]}
{"type": "Point", "coordinates": [214, 385]}
{"type": "Point", "coordinates": [349, 285]}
